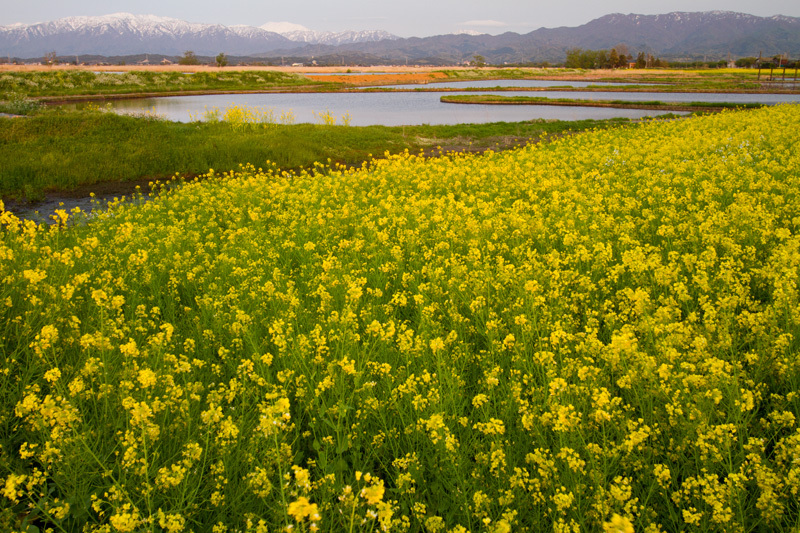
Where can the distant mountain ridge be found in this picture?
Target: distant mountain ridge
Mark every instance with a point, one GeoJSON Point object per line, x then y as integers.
{"type": "Point", "coordinates": [125, 33]}
{"type": "Point", "coordinates": [677, 35]}
{"type": "Point", "coordinates": [301, 34]}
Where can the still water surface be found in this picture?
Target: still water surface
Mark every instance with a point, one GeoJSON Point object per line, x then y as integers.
{"type": "Point", "coordinates": [367, 109]}
{"type": "Point", "coordinates": [409, 108]}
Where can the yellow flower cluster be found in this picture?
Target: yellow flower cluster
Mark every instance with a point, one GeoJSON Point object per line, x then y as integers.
{"type": "Point", "coordinates": [599, 333]}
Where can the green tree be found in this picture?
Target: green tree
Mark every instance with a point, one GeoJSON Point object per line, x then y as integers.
{"type": "Point", "coordinates": [617, 59]}
{"type": "Point", "coordinates": [51, 58]}
{"type": "Point", "coordinates": [579, 58]}
{"type": "Point", "coordinates": [588, 59]}
{"type": "Point", "coordinates": [600, 59]}
{"type": "Point", "coordinates": [613, 58]}
{"type": "Point", "coordinates": [222, 60]}
{"type": "Point", "coordinates": [746, 62]}
{"type": "Point", "coordinates": [478, 61]}
{"type": "Point", "coordinates": [189, 58]}
{"type": "Point", "coordinates": [573, 58]}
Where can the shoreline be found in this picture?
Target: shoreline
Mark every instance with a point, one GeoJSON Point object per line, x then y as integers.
{"type": "Point", "coordinates": [665, 106]}
{"type": "Point", "coordinates": [377, 78]}
{"type": "Point", "coordinates": [68, 99]}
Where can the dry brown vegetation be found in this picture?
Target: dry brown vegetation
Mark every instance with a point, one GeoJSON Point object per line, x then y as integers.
{"type": "Point", "coordinates": [210, 68]}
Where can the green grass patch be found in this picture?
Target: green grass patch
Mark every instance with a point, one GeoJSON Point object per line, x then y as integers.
{"type": "Point", "coordinates": [57, 150]}
{"type": "Point", "coordinates": [60, 83]}
{"type": "Point", "coordinates": [668, 80]}
{"type": "Point", "coordinates": [632, 104]}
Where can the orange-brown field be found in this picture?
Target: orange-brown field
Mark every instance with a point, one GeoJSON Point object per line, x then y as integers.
{"type": "Point", "coordinates": [380, 79]}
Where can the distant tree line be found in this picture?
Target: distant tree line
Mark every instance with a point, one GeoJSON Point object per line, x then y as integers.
{"type": "Point", "coordinates": [593, 59]}
{"type": "Point", "coordinates": [589, 59]}
{"type": "Point", "coordinates": [742, 62]}
{"type": "Point", "coordinates": [766, 62]}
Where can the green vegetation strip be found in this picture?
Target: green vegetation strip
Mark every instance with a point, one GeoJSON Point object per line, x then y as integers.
{"type": "Point", "coordinates": [54, 150]}
{"type": "Point", "coordinates": [668, 80]}
{"type": "Point", "coordinates": [66, 84]}
{"type": "Point", "coordinates": [623, 104]}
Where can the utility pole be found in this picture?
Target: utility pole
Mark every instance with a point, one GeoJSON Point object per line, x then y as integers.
{"type": "Point", "coordinates": [758, 62]}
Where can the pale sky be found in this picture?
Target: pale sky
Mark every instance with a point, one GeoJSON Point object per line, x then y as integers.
{"type": "Point", "coordinates": [406, 18]}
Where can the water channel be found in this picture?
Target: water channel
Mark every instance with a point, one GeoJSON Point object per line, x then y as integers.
{"type": "Point", "coordinates": [367, 109]}
{"type": "Point", "coordinates": [420, 107]}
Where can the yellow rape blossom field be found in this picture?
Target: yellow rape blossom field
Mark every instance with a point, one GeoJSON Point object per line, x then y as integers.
{"type": "Point", "coordinates": [600, 333]}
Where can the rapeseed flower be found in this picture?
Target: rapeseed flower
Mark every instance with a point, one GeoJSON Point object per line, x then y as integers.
{"type": "Point", "coordinates": [585, 334]}
{"type": "Point", "coordinates": [301, 509]}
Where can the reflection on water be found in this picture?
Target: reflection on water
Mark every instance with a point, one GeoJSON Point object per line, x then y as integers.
{"type": "Point", "coordinates": [367, 109]}
{"type": "Point", "coordinates": [409, 108]}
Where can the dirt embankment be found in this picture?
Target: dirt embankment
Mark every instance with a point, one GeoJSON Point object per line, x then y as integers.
{"type": "Point", "coordinates": [389, 78]}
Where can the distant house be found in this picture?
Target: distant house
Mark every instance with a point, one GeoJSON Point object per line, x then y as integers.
{"type": "Point", "coordinates": [732, 63]}
{"type": "Point", "coordinates": [166, 61]}
{"type": "Point", "coordinates": [298, 65]}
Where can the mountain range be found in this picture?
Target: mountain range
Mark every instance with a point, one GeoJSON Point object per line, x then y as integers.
{"type": "Point", "coordinates": [678, 35]}
{"type": "Point", "coordinates": [124, 34]}
{"type": "Point", "coordinates": [712, 35]}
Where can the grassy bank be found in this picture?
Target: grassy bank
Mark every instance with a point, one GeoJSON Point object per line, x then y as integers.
{"type": "Point", "coordinates": [66, 83]}
{"type": "Point", "coordinates": [595, 334]}
{"type": "Point", "coordinates": [665, 80]}
{"type": "Point", "coordinates": [489, 99]}
{"type": "Point", "coordinates": [55, 150]}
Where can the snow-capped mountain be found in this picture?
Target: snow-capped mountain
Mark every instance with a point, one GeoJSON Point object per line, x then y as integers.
{"type": "Point", "coordinates": [301, 34]}
{"type": "Point", "coordinates": [124, 33]}
{"type": "Point", "coordinates": [283, 27]}
{"type": "Point", "coordinates": [681, 35]}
